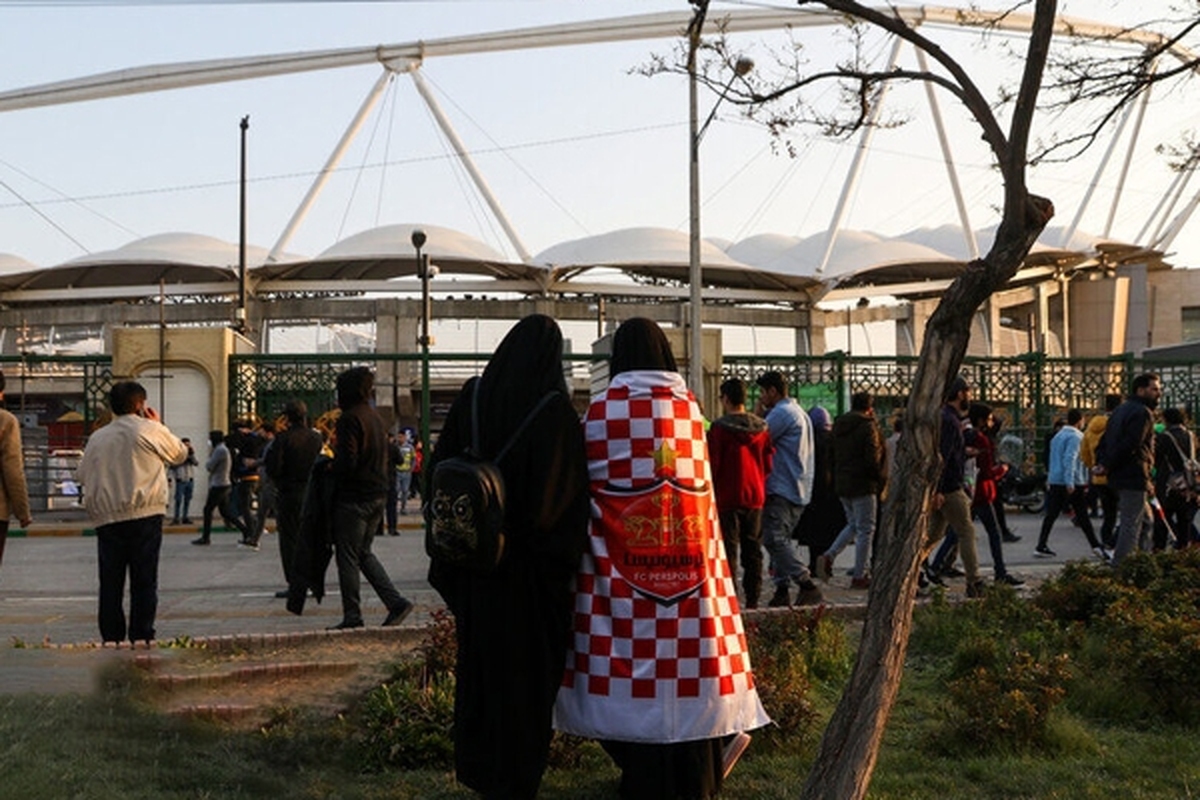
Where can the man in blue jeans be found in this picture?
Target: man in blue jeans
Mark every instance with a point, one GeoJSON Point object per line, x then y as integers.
{"type": "Point", "coordinates": [361, 478]}
{"type": "Point", "coordinates": [858, 475]}
{"type": "Point", "coordinates": [789, 488]}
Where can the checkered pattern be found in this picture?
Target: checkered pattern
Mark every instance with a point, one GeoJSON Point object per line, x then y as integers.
{"type": "Point", "coordinates": [640, 670]}
{"type": "Point", "coordinates": [625, 428]}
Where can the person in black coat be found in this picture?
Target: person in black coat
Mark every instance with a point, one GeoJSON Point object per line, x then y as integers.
{"type": "Point", "coordinates": [824, 517]}
{"type": "Point", "coordinates": [1126, 455]}
{"type": "Point", "coordinates": [514, 623]}
{"type": "Point", "coordinates": [288, 463]}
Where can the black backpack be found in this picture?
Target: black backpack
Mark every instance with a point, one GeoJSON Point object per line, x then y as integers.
{"type": "Point", "coordinates": [464, 517]}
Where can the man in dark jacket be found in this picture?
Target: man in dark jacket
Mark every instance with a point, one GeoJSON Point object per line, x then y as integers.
{"type": "Point", "coordinates": [951, 502]}
{"type": "Point", "coordinates": [1125, 456]}
{"type": "Point", "coordinates": [360, 471]}
{"type": "Point", "coordinates": [739, 448]}
{"type": "Point", "coordinates": [859, 461]}
{"type": "Point", "coordinates": [289, 460]}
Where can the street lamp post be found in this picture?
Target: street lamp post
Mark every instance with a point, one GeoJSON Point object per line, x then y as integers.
{"type": "Point", "coordinates": [423, 270]}
{"type": "Point", "coordinates": [696, 132]}
{"type": "Point", "coordinates": [242, 323]}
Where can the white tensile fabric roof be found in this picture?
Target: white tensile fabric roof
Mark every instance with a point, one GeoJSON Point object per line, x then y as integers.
{"type": "Point", "coordinates": [387, 252]}
{"type": "Point", "coordinates": [761, 262]}
{"type": "Point", "coordinates": [662, 253]}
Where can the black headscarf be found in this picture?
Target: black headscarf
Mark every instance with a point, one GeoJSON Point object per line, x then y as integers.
{"type": "Point", "coordinates": [525, 367]}
{"type": "Point", "coordinates": [640, 344]}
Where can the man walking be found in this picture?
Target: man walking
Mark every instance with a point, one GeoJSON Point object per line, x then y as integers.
{"type": "Point", "coordinates": [14, 495]}
{"type": "Point", "coordinates": [289, 460]}
{"type": "Point", "coordinates": [859, 461]}
{"type": "Point", "coordinates": [360, 471]}
{"type": "Point", "coordinates": [123, 472]}
{"type": "Point", "coordinates": [1067, 478]}
{"type": "Point", "coordinates": [219, 489]}
{"type": "Point", "coordinates": [1099, 483]}
{"type": "Point", "coordinates": [951, 501]}
{"type": "Point", "coordinates": [789, 488]}
{"type": "Point", "coordinates": [739, 449]}
{"type": "Point", "coordinates": [1125, 456]}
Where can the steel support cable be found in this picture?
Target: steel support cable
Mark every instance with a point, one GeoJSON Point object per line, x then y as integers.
{"type": "Point", "coordinates": [44, 216]}
{"type": "Point", "coordinates": [358, 172]}
{"type": "Point", "coordinates": [506, 151]}
{"type": "Point", "coordinates": [63, 196]}
{"type": "Point", "coordinates": [457, 169]}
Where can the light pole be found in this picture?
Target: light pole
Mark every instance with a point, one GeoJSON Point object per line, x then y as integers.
{"type": "Point", "coordinates": [242, 323]}
{"type": "Point", "coordinates": [696, 319]}
{"type": "Point", "coordinates": [423, 270]}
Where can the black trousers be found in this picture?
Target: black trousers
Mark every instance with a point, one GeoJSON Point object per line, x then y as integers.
{"type": "Point", "coordinates": [287, 525]}
{"type": "Point", "coordinates": [742, 531]}
{"type": "Point", "coordinates": [219, 499]}
{"type": "Point", "coordinates": [129, 548]}
{"type": "Point", "coordinates": [1057, 499]}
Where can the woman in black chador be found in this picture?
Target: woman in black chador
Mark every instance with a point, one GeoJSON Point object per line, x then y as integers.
{"type": "Point", "coordinates": [514, 623]}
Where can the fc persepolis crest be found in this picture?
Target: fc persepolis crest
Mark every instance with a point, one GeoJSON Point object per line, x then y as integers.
{"type": "Point", "coordinates": [658, 537]}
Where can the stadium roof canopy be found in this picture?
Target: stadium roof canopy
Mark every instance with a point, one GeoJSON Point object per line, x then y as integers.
{"type": "Point", "coordinates": [760, 268]}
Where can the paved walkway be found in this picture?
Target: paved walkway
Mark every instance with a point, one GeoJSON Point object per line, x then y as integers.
{"type": "Point", "coordinates": [49, 586]}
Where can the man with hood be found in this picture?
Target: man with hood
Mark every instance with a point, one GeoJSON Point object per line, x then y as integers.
{"type": "Point", "coordinates": [1125, 456]}
{"type": "Point", "coordinates": [859, 462]}
{"type": "Point", "coordinates": [739, 447]}
{"type": "Point", "coordinates": [1099, 483]}
{"type": "Point", "coordinates": [360, 475]}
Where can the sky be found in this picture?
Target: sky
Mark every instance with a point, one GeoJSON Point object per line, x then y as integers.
{"type": "Point", "coordinates": [570, 141]}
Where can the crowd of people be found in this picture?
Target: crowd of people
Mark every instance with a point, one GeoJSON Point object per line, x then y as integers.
{"type": "Point", "coordinates": [632, 539]}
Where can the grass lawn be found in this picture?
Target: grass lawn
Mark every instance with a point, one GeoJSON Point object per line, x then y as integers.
{"type": "Point", "coordinates": [72, 747]}
{"type": "Point", "coordinates": [116, 745]}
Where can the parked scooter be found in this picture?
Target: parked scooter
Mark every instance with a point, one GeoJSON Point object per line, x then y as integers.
{"type": "Point", "coordinates": [1026, 492]}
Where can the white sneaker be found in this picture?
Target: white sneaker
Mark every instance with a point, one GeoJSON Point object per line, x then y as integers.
{"type": "Point", "coordinates": [1102, 554]}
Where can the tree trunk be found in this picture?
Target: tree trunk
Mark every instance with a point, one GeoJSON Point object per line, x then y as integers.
{"type": "Point", "coordinates": [850, 745]}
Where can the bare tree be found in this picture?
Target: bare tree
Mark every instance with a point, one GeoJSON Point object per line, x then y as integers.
{"type": "Point", "coordinates": [850, 746]}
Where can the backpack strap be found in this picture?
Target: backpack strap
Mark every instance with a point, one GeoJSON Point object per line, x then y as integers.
{"type": "Point", "coordinates": [1183, 460]}
{"type": "Point", "coordinates": [525, 424]}
{"type": "Point", "coordinates": [474, 449]}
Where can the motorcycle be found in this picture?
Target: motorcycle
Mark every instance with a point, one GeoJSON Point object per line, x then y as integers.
{"type": "Point", "coordinates": [1024, 491]}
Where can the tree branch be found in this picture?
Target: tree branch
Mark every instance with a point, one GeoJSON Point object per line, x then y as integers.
{"type": "Point", "coordinates": [1013, 162]}
{"type": "Point", "coordinates": [972, 98]}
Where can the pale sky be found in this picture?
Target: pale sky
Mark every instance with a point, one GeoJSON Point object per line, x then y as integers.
{"type": "Point", "coordinates": [570, 142]}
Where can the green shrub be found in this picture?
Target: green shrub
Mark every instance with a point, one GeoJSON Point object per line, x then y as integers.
{"type": "Point", "coordinates": [1082, 592]}
{"type": "Point", "coordinates": [1003, 695]}
{"type": "Point", "coordinates": [407, 722]}
{"type": "Point", "coordinates": [790, 650]}
{"type": "Point", "coordinates": [1137, 634]}
{"type": "Point", "coordinates": [438, 647]}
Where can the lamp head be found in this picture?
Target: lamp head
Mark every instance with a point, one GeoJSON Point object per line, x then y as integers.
{"type": "Point", "coordinates": [418, 238]}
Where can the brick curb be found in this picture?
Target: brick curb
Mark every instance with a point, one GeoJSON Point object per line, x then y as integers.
{"type": "Point", "coordinates": [85, 529]}
{"type": "Point", "coordinates": [246, 642]}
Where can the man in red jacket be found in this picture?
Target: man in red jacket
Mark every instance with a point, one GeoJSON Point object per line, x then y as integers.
{"type": "Point", "coordinates": [739, 448]}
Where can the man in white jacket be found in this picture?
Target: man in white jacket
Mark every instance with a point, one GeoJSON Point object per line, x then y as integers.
{"type": "Point", "coordinates": [124, 476]}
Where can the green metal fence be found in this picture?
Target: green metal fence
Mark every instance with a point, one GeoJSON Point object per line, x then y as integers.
{"type": "Point", "coordinates": [1027, 392]}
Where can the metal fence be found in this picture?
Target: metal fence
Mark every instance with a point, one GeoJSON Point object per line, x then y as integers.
{"type": "Point", "coordinates": [41, 390]}
{"type": "Point", "coordinates": [1028, 392]}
